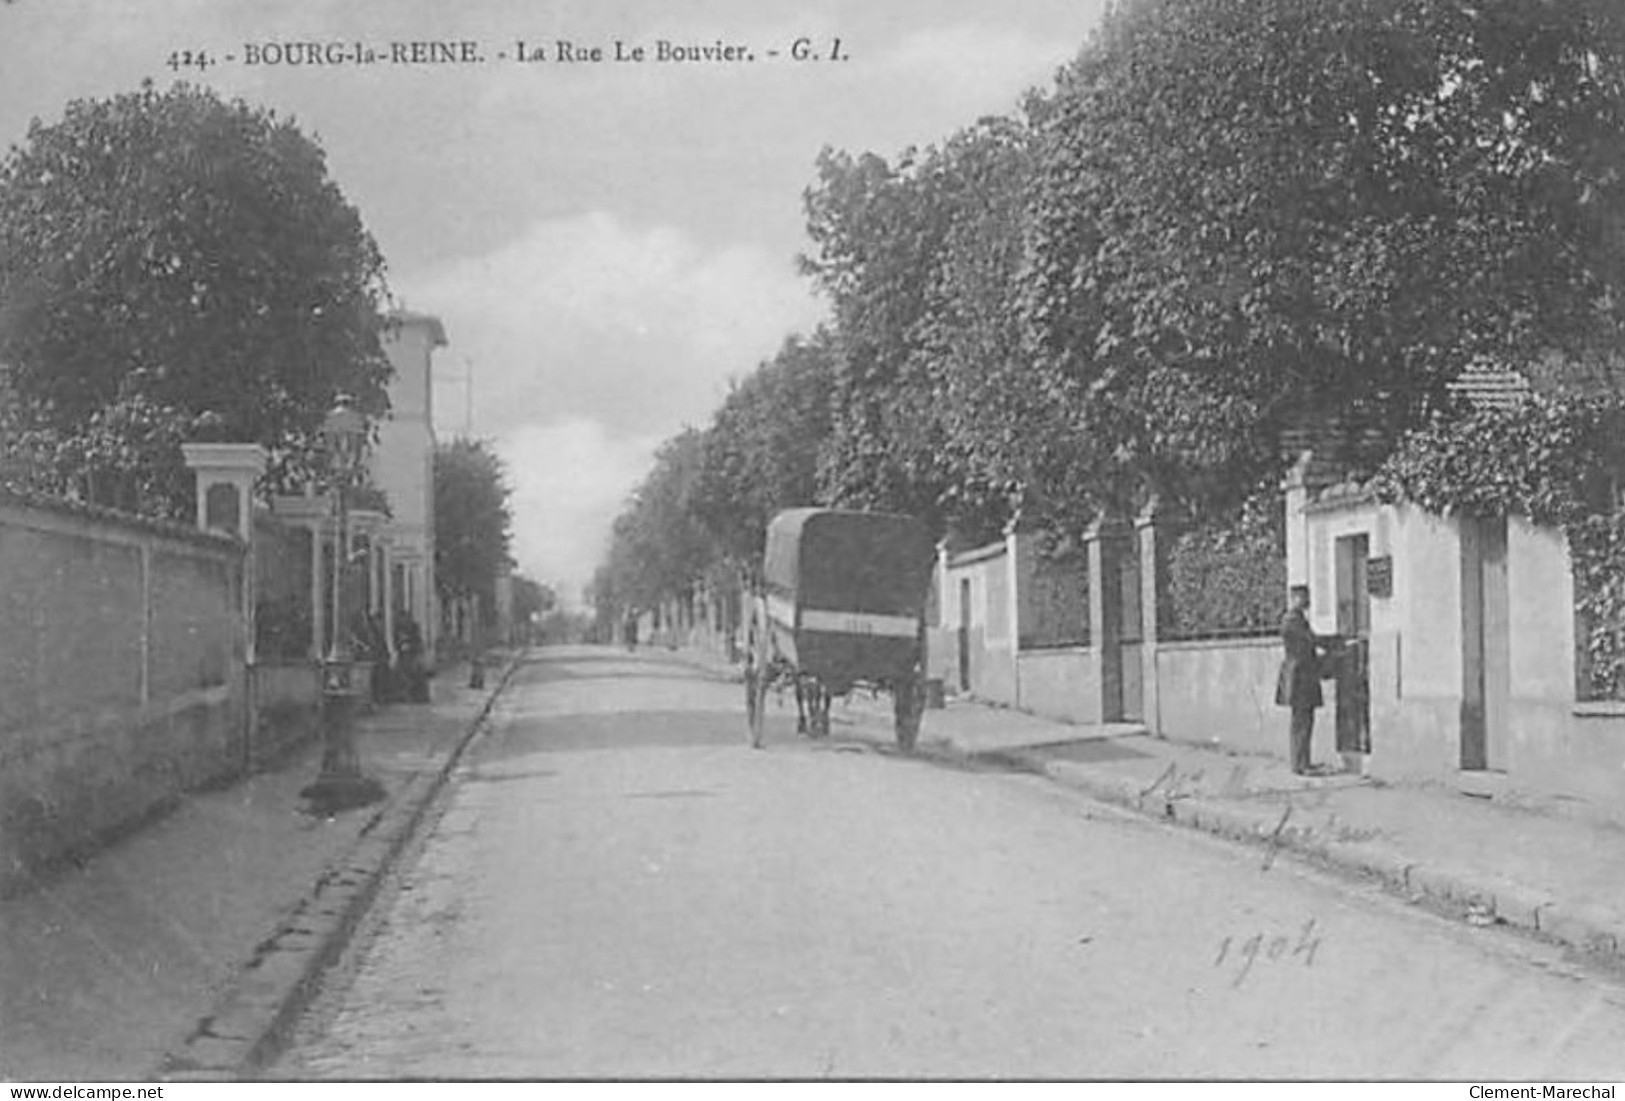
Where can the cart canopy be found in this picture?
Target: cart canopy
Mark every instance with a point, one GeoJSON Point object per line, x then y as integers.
{"type": "Point", "coordinates": [864, 562]}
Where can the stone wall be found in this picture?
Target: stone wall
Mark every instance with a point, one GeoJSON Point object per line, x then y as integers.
{"type": "Point", "coordinates": [287, 704]}
{"type": "Point", "coordinates": [1222, 692]}
{"type": "Point", "coordinates": [122, 677]}
{"type": "Point", "coordinates": [978, 595]}
{"type": "Point", "coordinates": [1059, 683]}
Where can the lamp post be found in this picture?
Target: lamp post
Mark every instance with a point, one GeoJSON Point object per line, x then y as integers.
{"type": "Point", "coordinates": [341, 784]}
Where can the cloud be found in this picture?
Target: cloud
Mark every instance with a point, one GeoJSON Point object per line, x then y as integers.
{"type": "Point", "coordinates": [607, 245]}
{"type": "Point", "coordinates": [569, 480]}
{"type": "Point", "coordinates": [971, 70]}
{"type": "Point", "coordinates": [589, 342]}
{"type": "Point", "coordinates": [587, 316]}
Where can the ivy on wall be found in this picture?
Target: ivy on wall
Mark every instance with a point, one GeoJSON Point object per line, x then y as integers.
{"type": "Point", "coordinates": [1545, 458]}
{"type": "Point", "coordinates": [1597, 548]}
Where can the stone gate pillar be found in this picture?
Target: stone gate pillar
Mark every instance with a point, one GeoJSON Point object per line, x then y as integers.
{"type": "Point", "coordinates": [313, 514]}
{"type": "Point", "coordinates": [1151, 525]}
{"type": "Point", "coordinates": [1014, 546]}
{"type": "Point", "coordinates": [1296, 495]}
{"type": "Point", "coordinates": [226, 473]}
{"type": "Point", "coordinates": [1108, 539]}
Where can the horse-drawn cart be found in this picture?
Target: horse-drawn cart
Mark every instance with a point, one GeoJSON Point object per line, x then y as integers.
{"type": "Point", "coordinates": [842, 605]}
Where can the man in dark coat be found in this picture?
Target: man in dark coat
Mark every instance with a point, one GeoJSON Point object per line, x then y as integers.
{"type": "Point", "coordinates": [1298, 685]}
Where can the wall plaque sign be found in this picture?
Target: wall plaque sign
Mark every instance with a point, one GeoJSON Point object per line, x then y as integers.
{"type": "Point", "coordinates": [1379, 576]}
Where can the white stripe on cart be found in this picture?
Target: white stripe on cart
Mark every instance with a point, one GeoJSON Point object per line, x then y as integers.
{"type": "Point", "coordinates": [859, 623]}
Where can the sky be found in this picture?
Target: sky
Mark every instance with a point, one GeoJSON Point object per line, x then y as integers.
{"type": "Point", "coordinates": [608, 243]}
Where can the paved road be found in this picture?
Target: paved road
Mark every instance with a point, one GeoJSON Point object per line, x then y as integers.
{"type": "Point", "coordinates": [620, 887]}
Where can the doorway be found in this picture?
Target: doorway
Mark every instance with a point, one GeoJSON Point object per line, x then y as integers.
{"type": "Point", "coordinates": [1486, 645]}
{"type": "Point", "coordinates": [1353, 716]}
{"type": "Point", "coordinates": [964, 634]}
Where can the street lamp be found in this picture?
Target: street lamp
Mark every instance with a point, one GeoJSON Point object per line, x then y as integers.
{"type": "Point", "coordinates": [341, 784]}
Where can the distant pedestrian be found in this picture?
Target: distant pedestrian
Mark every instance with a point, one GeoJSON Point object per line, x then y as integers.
{"type": "Point", "coordinates": [630, 629]}
{"type": "Point", "coordinates": [1298, 685]}
{"type": "Point", "coordinates": [409, 646]}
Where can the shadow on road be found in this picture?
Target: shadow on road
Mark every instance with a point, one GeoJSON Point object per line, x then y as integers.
{"type": "Point", "coordinates": [618, 730]}
{"type": "Point", "coordinates": [611, 665]}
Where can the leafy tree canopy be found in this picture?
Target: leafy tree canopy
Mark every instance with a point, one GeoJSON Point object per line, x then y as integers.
{"type": "Point", "coordinates": [761, 451]}
{"type": "Point", "coordinates": [472, 520]}
{"type": "Point", "coordinates": [176, 262]}
{"type": "Point", "coordinates": [918, 260]}
{"type": "Point", "coordinates": [1230, 223]}
{"type": "Point", "coordinates": [531, 598]}
{"type": "Point", "coordinates": [1256, 213]}
{"type": "Point", "coordinates": [658, 545]}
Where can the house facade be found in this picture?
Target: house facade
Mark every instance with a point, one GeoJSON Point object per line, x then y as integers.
{"type": "Point", "coordinates": [1464, 648]}
{"type": "Point", "coordinates": [402, 466]}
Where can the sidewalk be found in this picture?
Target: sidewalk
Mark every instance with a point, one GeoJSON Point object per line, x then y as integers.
{"type": "Point", "coordinates": [108, 971]}
{"type": "Point", "coordinates": [1490, 861]}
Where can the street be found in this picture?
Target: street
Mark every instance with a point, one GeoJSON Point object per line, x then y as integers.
{"type": "Point", "coordinates": [618, 886]}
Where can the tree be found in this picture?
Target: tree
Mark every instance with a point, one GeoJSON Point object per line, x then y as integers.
{"type": "Point", "coordinates": [658, 546]}
{"type": "Point", "coordinates": [531, 598]}
{"type": "Point", "coordinates": [472, 522]}
{"type": "Point", "coordinates": [608, 606]}
{"type": "Point", "coordinates": [1254, 214]}
{"type": "Point", "coordinates": [531, 601]}
{"type": "Point", "coordinates": [761, 451]}
{"type": "Point", "coordinates": [935, 402]}
{"type": "Point", "coordinates": [1000, 419]}
{"type": "Point", "coordinates": [1230, 223]}
{"type": "Point", "coordinates": [876, 235]}
{"type": "Point", "coordinates": [173, 266]}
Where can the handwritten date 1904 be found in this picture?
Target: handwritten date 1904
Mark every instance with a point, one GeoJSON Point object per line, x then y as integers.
{"type": "Point", "coordinates": [1247, 952]}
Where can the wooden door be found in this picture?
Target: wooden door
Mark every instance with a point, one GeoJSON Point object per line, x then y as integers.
{"type": "Point", "coordinates": [1486, 657]}
{"type": "Point", "coordinates": [1354, 629]}
{"type": "Point", "coordinates": [964, 635]}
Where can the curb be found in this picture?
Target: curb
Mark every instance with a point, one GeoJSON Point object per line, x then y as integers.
{"type": "Point", "coordinates": [1481, 898]}
{"type": "Point", "coordinates": [251, 1022]}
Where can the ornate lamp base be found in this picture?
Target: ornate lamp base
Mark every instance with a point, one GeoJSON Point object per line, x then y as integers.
{"type": "Point", "coordinates": [330, 794]}
{"type": "Point", "coordinates": [341, 784]}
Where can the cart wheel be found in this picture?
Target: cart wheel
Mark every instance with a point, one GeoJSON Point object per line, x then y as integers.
{"type": "Point", "coordinates": [908, 705]}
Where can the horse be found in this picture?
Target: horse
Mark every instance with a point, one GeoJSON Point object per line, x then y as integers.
{"type": "Point", "coordinates": [812, 706]}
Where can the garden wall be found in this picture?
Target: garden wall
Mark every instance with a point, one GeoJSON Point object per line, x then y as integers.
{"type": "Point", "coordinates": [122, 677]}
{"type": "Point", "coordinates": [1223, 692]}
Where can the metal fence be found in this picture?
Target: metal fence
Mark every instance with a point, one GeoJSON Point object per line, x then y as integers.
{"type": "Point", "coordinates": [1226, 579]}
{"type": "Point", "coordinates": [1054, 601]}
